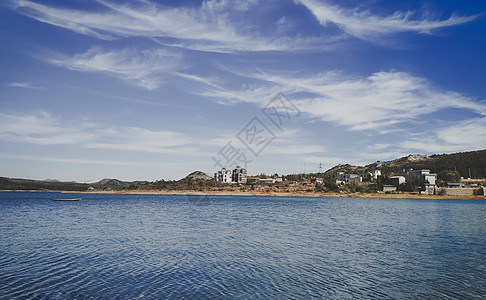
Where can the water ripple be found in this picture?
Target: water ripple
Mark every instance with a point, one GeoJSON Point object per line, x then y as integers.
{"type": "Point", "coordinates": [158, 247]}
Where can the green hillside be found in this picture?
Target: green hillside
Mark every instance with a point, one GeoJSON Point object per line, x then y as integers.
{"type": "Point", "coordinates": [465, 163]}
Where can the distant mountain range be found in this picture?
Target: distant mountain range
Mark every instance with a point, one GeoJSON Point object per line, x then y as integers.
{"type": "Point", "coordinates": [468, 164]}
{"type": "Point", "coordinates": [50, 184]}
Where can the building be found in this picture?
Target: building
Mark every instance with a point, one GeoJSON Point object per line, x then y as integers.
{"type": "Point", "coordinates": [397, 180]}
{"type": "Point", "coordinates": [240, 175]}
{"type": "Point", "coordinates": [224, 175]}
{"type": "Point", "coordinates": [317, 180]}
{"type": "Point", "coordinates": [252, 180]}
{"type": "Point", "coordinates": [426, 176]}
{"type": "Point", "coordinates": [371, 175]}
{"type": "Point", "coordinates": [455, 185]}
{"type": "Point", "coordinates": [389, 188]}
{"type": "Point", "coordinates": [267, 180]}
{"type": "Point", "coordinates": [404, 171]}
{"type": "Point", "coordinates": [343, 178]}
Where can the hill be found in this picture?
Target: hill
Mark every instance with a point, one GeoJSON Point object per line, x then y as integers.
{"type": "Point", "coordinates": [196, 180]}
{"type": "Point", "coordinates": [198, 175]}
{"type": "Point", "coordinates": [473, 162]}
{"type": "Point", "coordinates": [468, 164]}
{"type": "Point", "coordinates": [46, 185]}
{"type": "Point", "coordinates": [40, 185]}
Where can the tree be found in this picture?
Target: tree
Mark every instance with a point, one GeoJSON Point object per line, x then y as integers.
{"type": "Point", "coordinates": [449, 176]}
{"type": "Point", "coordinates": [408, 186]}
{"type": "Point", "coordinates": [319, 187]}
{"type": "Point", "coordinates": [331, 185]}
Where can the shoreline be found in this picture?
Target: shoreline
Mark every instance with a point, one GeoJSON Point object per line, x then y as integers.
{"type": "Point", "coordinates": [269, 194]}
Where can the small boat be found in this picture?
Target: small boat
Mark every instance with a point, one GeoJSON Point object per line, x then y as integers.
{"type": "Point", "coordinates": [66, 199]}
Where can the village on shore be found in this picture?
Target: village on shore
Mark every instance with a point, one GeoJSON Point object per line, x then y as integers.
{"type": "Point", "coordinates": [421, 182]}
{"type": "Point", "coordinates": [450, 176]}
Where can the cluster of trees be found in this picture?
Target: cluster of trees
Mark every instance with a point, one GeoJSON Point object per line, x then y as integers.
{"type": "Point", "coordinates": [182, 184]}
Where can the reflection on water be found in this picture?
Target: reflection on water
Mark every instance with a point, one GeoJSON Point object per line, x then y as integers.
{"type": "Point", "coordinates": [128, 246]}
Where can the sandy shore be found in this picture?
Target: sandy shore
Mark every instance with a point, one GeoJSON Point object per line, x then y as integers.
{"type": "Point", "coordinates": [272, 194]}
{"type": "Point", "coordinates": [299, 194]}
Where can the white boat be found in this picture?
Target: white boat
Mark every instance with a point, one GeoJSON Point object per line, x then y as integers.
{"type": "Point", "coordinates": [66, 199]}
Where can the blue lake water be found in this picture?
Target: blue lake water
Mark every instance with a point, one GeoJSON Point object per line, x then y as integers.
{"type": "Point", "coordinates": [227, 247]}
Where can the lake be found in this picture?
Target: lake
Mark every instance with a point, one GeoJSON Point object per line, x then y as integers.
{"type": "Point", "coordinates": [237, 247]}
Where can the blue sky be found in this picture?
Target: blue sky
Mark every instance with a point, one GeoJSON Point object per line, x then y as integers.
{"type": "Point", "coordinates": [145, 90]}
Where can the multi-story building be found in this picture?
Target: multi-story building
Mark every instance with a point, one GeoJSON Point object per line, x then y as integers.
{"type": "Point", "coordinates": [397, 180]}
{"type": "Point", "coordinates": [240, 175]}
{"type": "Point", "coordinates": [343, 178]}
{"type": "Point", "coordinates": [224, 175]}
{"type": "Point", "coordinates": [426, 176]}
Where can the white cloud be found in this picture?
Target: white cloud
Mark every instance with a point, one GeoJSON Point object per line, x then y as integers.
{"type": "Point", "coordinates": [144, 140]}
{"type": "Point", "coordinates": [364, 25]}
{"type": "Point", "coordinates": [210, 27]}
{"type": "Point", "coordinates": [380, 102]}
{"type": "Point", "coordinates": [25, 85]}
{"type": "Point", "coordinates": [242, 5]}
{"type": "Point", "coordinates": [294, 149]}
{"type": "Point", "coordinates": [44, 130]}
{"type": "Point", "coordinates": [460, 136]}
{"type": "Point", "coordinates": [220, 26]}
{"type": "Point", "coordinates": [397, 103]}
{"type": "Point", "coordinates": [68, 160]}
{"type": "Point", "coordinates": [145, 68]}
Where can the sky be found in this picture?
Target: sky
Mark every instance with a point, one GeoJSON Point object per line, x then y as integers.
{"type": "Point", "coordinates": [150, 90]}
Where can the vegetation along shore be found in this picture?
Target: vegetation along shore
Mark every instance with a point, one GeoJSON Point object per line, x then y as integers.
{"type": "Point", "coordinates": [446, 176]}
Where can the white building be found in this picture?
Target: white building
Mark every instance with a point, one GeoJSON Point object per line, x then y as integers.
{"type": "Point", "coordinates": [371, 175]}
{"type": "Point", "coordinates": [224, 175]}
{"type": "Point", "coordinates": [397, 180]}
{"type": "Point", "coordinates": [389, 188]}
{"type": "Point", "coordinates": [267, 180]}
{"type": "Point", "coordinates": [348, 178]}
{"type": "Point", "coordinates": [424, 174]}
{"type": "Point", "coordinates": [240, 175]}
{"type": "Point", "coordinates": [429, 178]}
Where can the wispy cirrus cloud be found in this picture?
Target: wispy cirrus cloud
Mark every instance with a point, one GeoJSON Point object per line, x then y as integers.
{"type": "Point", "coordinates": [144, 68]}
{"type": "Point", "coordinates": [213, 26]}
{"type": "Point", "coordinates": [380, 101]}
{"type": "Point", "coordinates": [364, 25]}
{"type": "Point", "coordinates": [25, 85]}
{"type": "Point", "coordinates": [397, 103]}
{"type": "Point", "coordinates": [220, 26]}
{"type": "Point", "coordinates": [68, 160]}
{"type": "Point", "coordinates": [143, 140]}
{"type": "Point", "coordinates": [466, 134]}
{"type": "Point", "coordinates": [42, 129]}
